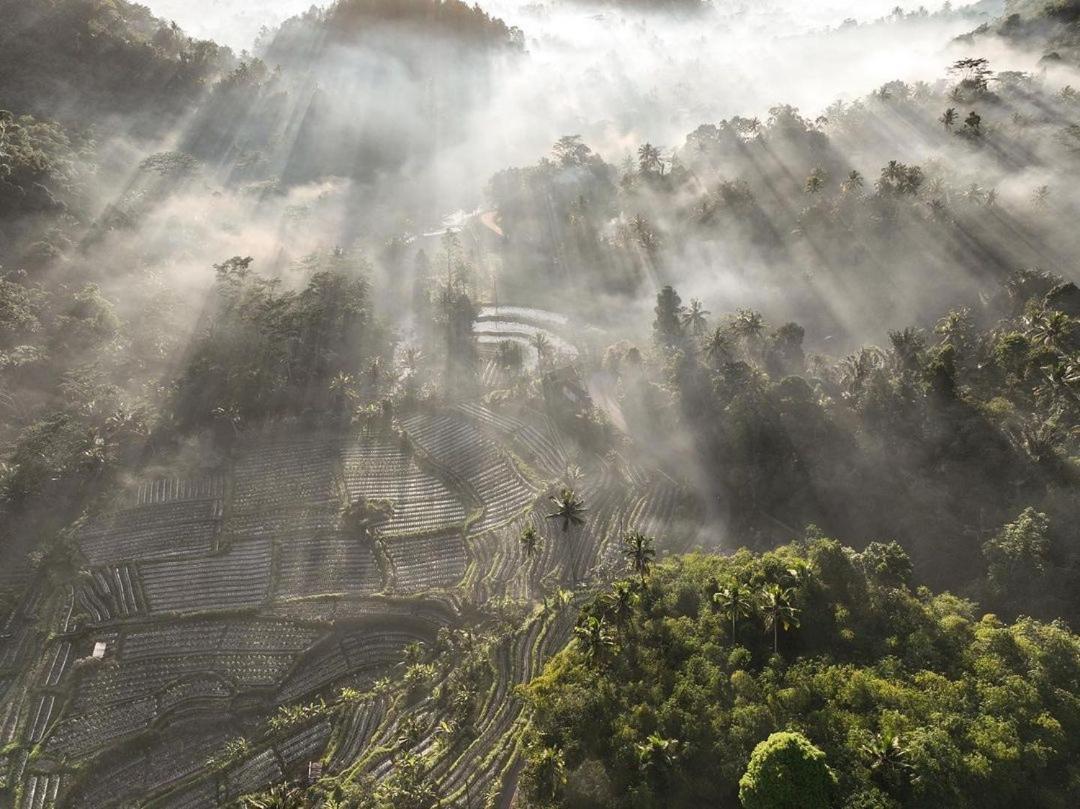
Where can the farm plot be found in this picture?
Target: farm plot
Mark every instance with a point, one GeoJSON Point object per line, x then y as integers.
{"type": "Point", "coordinates": [426, 562]}
{"type": "Point", "coordinates": [154, 531]}
{"type": "Point", "coordinates": [200, 795]}
{"type": "Point", "coordinates": [40, 791]}
{"type": "Point", "coordinates": [180, 752]}
{"type": "Point", "coordinates": [110, 593]}
{"type": "Point", "coordinates": [358, 653]}
{"type": "Point", "coordinates": [497, 565]}
{"type": "Point", "coordinates": [326, 561]}
{"type": "Point", "coordinates": [458, 446]}
{"type": "Point", "coordinates": [113, 683]}
{"type": "Point", "coordinates": [659, 512]}
{"type": "Point", "coordinates": [305, 745]}
{"type": "Point", "coordinates": [279, 472]}
{"type": "Point", "coordinates": [78, 736]}
{"type": "Point", "coordinates": [472, 764]}
{"type": "Point", "coordinates": [253, 774]}
{"type": "Point", "coordinates": [220, 635]}
{"type": "Point", "coordinates": [356, 731]}
{"type": "Point", "coordinates": [377, 468]}
{"type": "Point", "coordinates": [195, 660]}
{"type": "Point", "coordinates": [533, 439]}
{"type": "Point", "coordinates": [170, 490]}
{"type": "Point", "coordinates": [236, 579]}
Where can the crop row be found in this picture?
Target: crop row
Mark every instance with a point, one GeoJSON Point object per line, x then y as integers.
{"type": "Point", "coordinates": [380, 469]}
{"type": "Point", "coordinates": [110, 593]}
{"type": "Point", "coordinates": [233, 580]}
{"type": "Point", "coordinates": [168, 490]}
{"type": "Point", "coordinates": [284, 471]}
{"type": "Point", "coordinates": [179, 752]}
{"type": "Point", "coordinates": [77, 736]}
{"type": "Point", "coordinates": [306, 745]}
{"type": "Point", "coordinates": [59, 661]}
{"type": "Point", "coordinates": [253, 774]}
{"type": "Point", "coordinates": [426, 562]}
{"type": "Point", "coordinates": [39, 791]}
{"type": "Point", "coordinates": [9, 718]}
{"type": "Point", "coordinates": [539, 446]}
{"type": "Point", "coordinates": [42, 715]}
{"type": "Point", "coordinates": [232, 635]}
{"type": "Point", "coordinates": [357, 730]}
{"type": "Point", "coordinates": [151, 532]}
{"type": "Point", "coordinates": [199, 688]}
{"type": "Point", "coordinates": [200, 795]}
{"type": "Point", "coordinates": [361, 652]}
{"type": "Point", "coordinates": [326, 562]}
{"type": "Point", "coordinates": [113, 683]}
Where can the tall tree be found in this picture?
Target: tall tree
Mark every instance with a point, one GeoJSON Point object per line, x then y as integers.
{"type": "Point", "coordinates": [569, 509]}
{"type": "Point", "coordinates": [530, 541]}
{"type": "Point", "coordinates": [779, 611]}
{"type": "Point", "coordinates": [669, 312]}
{"type": "Point", "coordinates": [734, 601]}
{"type": "Point", "coordinates": [639, 551]}
{"type": "Point", "coordinates": [595, 639]}
{"type": "Point", "coordinates": [695, 318]}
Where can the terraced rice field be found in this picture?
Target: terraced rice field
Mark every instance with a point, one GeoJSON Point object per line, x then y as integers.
{"type": "Point", "coordinates": [220, 597]}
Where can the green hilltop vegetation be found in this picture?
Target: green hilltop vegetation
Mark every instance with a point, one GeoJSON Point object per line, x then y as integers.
{"type": "Point", "coordinates": [808, 676]}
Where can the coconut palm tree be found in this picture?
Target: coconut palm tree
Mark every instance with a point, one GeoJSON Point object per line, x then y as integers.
{"type": "Point", "coordinates": [640, 552]}
{"type": "Point", "coordinates": [1060, 380]}
{"type": "Point", "coordinates": [908, 346]}
{"type": "Point", "coordinates": [595, 639]}
{"type": "Point", "coordinates": [778, 611]}
{"type": "Point", "coordinates": [855, 369]}
{"type": "Point", "coordinates": [749, 327]}
{"type": "Point", "coordinates": [853, 182]}
{"type": "Point", "coordinates": [570, 509]}
{"type": "Point", "coordinates": [718, 347]}
{"type": "Point", "coordinates": [1050, 328]}
{"type": "Point", "coordinates": [530, 541]}
{"type": "Point", "coordinates": [694, 318]}
{"type": "Point", "coordinates": [815, 183]}
{"type": "Point", "coordinates": [948, 118]}
{"type": "Point", "coordinates": [735, 602]}
{"type": "Point", "coordinates": [887, 758]}
{"type": "Point", "coordinates": [619, 603]}
{"type": "Point", "coordinates": [657, 755]}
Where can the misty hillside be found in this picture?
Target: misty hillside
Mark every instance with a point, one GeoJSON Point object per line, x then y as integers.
{"type": "Point", "coordinates": [539, 405]}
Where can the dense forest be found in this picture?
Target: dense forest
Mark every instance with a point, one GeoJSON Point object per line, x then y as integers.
{"type": "Point", "coordinates": [562, 404]}
{"type": "Point", "coordinates": [811, 676]}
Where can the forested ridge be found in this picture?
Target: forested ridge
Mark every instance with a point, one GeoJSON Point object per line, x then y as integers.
{"type": "Point", "coordinates": [915, 699]}
{"type": "Point", "coordinates": [358, 452]}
